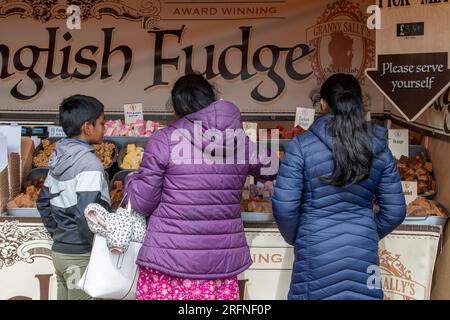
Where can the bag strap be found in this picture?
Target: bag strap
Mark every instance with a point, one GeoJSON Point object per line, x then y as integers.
{"type": "Point", "coordinates": [128, 205]}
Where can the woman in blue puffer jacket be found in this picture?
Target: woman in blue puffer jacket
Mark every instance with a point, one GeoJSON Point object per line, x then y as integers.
{"type": "Point", "coordinates": [323, 200]}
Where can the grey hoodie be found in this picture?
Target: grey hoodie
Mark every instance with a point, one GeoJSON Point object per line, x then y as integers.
{"type": "Point", "coordinates": [76, 178]}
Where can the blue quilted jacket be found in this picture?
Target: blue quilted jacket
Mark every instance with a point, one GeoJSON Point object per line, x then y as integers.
{"type": "Point", "coordinates": [333, 229]}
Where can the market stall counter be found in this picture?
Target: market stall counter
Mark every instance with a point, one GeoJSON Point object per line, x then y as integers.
{"type": "Point", "coordinates": [407, 256]}
{"type": "Point", "coordinates": [27, 272]}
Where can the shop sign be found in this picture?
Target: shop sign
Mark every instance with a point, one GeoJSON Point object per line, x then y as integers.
{"type": "Point", "coordinates": [412, 81]}
{"type": "Point", "coordinates": [339, 31]}
{"type": "Point", "coordinates": [407, 258]}
{"type": "Point", "coordinates": [410, 29]}
{"type": "Point", "coordinates": [407, 3]}
{"type": "Point", "coordinates": [268, 278]}
{"type": "Point", "coordinates": [26, 268]}
{"type": "Point", "coordinates": [437, 117]}
{"type": "Point", "coordinates": [268, 66]}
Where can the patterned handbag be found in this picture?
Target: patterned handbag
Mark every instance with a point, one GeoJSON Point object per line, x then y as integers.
{"type": "Point", "coordinates": [112, 272]}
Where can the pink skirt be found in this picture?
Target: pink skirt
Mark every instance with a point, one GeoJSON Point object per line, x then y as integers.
{"type": "Point", "coordinates": [154, 285]}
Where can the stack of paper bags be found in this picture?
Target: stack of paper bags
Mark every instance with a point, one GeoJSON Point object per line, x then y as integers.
{"type": "Point", "coordinates": [10, 139]}
{"type": "Point", "coordinates": [4, 178]}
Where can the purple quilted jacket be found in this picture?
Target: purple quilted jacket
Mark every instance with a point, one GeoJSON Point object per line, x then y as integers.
{"type": "Point", "coordinates": [195, 228]}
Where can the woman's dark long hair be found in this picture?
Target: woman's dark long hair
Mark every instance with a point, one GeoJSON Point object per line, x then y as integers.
{"type": "Point", "coordinates": [352, 151]}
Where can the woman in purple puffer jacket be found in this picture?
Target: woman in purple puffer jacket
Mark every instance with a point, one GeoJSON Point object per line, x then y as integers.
{"type": "Point", "coordinates": [195, 244]}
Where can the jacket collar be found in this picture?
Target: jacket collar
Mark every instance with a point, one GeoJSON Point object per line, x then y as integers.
{"type": "Point", "coordinates": [321, 129]}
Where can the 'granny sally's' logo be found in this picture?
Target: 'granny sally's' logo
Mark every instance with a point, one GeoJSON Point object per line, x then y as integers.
{"type": "Point", "coordinates": [396, 278]}
{"type": "Point", "coordinates": [342, 41]}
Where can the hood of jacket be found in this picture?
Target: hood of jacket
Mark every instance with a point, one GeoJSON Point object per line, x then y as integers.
{"type": "Point", "coordinates": [66, 154]}
{"type": "Point", "coordinates": [377, 134]}
{"type": "Point", "coordinates": [199, 127]}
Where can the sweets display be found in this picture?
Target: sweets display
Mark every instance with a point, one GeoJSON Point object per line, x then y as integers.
{"type": "Point", "coordinates": [422, 207]}
{"type": "Point", "coordinates": [41, 159]}
{"type": "Point", "coordinates": [283, 133]}
{"type": "Point", "coordinates": [28, 198]}
{"type": "Point", "coordinates": [116, 194]}
{"type": "Point", "coordinates": [418, 169]}
{"type": "Point", "coordinates": [133, 157]}
{"type": "Point", "coordinates": [140, 128]}
{"type": "Point", "coordinates": [104, 151]}
{"type": "Point", "coordinates": [262, 191]}
{"type": "Point", "coordinates": [261, 206]}
{"type": "Point", "coordinates": [260, 198]}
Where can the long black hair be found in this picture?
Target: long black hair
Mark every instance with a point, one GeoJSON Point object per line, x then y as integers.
{"type": "Point", "coordinates": [352, 151]}
{"type": "Point", "coordinates": [191, 93]}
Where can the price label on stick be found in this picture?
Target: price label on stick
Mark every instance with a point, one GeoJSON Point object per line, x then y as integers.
{"type": "Point", "coordinates": [304, 117]}
{"type": "Point", "coordinates": [410, 191]}
{"type": "Point", "coordinates": [251, 129]}
{"type": "Point", "coordinates": [133, 113]}
{"type": "Point", "coordinates": [399, 142]}
{"type": "Point", "coordinates": [56, 132]}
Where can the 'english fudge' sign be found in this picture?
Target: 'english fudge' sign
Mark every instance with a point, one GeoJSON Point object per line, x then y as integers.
{"type": "Point", "coordinates": [266, 56]}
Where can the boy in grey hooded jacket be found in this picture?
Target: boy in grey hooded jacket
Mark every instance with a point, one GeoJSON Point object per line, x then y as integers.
{"type": "Point", "coordinates": [76, 178]}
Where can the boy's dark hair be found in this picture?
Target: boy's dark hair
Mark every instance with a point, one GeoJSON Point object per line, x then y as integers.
{"type": "Point", "coordinates": [76, 110]}
{"type": "Point", "coordinates": [192, 93]}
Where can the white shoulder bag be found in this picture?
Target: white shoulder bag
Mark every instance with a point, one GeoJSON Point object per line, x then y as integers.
{"type": "Point", "coordinates": [109, 275]}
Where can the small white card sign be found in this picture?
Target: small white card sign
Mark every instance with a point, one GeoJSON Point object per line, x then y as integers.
{"type": "Point", "coordinates": [13, 136]}
{"type": "Point", "coordinates": [56, 132]}
{"type": "Point", "coordinates": [133, 113]}
{"type": "Point", "coordinates": [368, 116]}
{"type": "Point", "coordinates": [251, 129]}
{"type": "Point", "coordinates": [304, 117]}
{"type": "Point", "coordinates": [410, 191]}
{"type": "Point", "coordinates": [399, 142]}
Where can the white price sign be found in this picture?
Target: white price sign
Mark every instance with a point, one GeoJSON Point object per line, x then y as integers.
{"type": "Point", "coordinates": [56, 132]}
{"type": "Point", "coordinates": [399, 142]}
{"type": "Point", "coordinates": [133, 113]}
{"type": "Point", "coordinates": [304, 117]}
{"type": "Point", "coordinates": [410, 191]}
{"type": "Point", "coordinates": [251, 129]}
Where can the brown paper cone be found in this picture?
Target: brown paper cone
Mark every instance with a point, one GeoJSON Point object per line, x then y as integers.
{"type": "Point", "coordinates": [27, 148]}
{"type": "Point", "coordinates": [4, 190]}
{"type": "Point", "coordinates": [14, 172]}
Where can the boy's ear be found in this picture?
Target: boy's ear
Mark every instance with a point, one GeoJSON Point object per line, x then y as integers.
{"type": "Point", "coordinates": [87, 128]}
